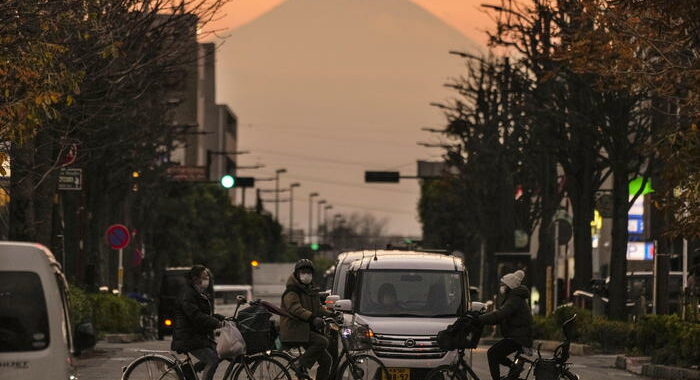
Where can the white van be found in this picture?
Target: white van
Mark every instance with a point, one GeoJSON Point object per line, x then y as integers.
{"type": "Point", "coordinates": [36, 340]}
{"type": "Point", "coordinates": [225, 297]}
{"type": "Point", "coordinates": [430, 292]}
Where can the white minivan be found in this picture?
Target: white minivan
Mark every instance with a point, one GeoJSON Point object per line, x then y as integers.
{"type": "Point", "coordinates": [36, 340]}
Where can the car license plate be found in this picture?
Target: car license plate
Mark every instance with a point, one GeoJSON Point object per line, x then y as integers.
{"type": "Point", "coordinates": [399, 374]}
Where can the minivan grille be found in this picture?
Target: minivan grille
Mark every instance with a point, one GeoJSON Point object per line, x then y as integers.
{"type": "Point", "coordinates": [406, 347]}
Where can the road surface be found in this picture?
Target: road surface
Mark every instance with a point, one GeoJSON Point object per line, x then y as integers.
{"type": "Point", "coordinates": [106, 361]}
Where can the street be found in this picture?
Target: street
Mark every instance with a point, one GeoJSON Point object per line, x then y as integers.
{"type": "Point", "coordinates": [106, 361]}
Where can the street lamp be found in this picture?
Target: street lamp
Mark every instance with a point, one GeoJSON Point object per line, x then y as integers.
{"type": "Point", "coordinates": [318, 219]}
{"type": "Point", "coordinates": [311, 212]}
{"type": "Point", "coordinates": [325, 221]}
{"type": "Point", "coordinates": [291, 208]}
{"type": "Point", "coordinates": [277, 192]}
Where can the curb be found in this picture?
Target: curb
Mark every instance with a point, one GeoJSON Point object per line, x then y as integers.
{"type": "Point", "coordinates": [575, 348]}
{"type": "Point", "coordinates": [641, 365]}
{"type": "Point", "coordinates": [123, 338]}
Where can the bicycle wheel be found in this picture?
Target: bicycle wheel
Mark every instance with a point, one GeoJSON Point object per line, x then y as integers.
{"type": "Point", "coordinates": [566, 375]}
{"type": "Point", "coordinates": [362, 367]}
{"type": "Point", "coordinates": [259, 368]}
{"type": "Point", "coordinates": [153, 367]}
{"type": "Point", "coordinates": [282, 357]}
{"type": "Point", "coordinates": [445, 372]}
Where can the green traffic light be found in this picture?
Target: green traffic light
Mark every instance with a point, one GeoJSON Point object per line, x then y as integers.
{"type": "Point", "coordinates": [314, 246]}
{"type": "Point", "coordinates": [228, 181]}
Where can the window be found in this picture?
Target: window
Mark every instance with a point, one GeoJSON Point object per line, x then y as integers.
{"type": "Point", "coordinates": [411, 293]}
{"type": "Point", "coordinates": [24, 323]}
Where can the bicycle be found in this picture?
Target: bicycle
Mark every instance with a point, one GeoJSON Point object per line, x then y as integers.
{"type": "Point", "coordinates": [544, 369]}
{"type": "Point", "coordinates": [356, 366]}
{"type": "Point", "coordinates": [157, 365]}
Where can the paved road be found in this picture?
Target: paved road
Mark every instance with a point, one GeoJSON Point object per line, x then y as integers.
{"type": "Point", "coordinates": [106, 361]}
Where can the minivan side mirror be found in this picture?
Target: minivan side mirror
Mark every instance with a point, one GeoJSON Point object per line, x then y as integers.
{"type": "Point", "coordinates": [331, 300]}
{"type": "Point", "coordinates": [477, 306]}
{"type": "Point", "coordinates": [85, 337]}
{"type": "Point", "coordinates": [343, 305]}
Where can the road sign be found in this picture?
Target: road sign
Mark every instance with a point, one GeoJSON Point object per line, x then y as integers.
{"type": "Point", "coordinates": [70, 179]}
{"type": "Point", "coordinates": [71, 153]}
{"type": "Point", "coordinates": [118, 236]}
{"type": "Point", "coordinates": [187, 173]}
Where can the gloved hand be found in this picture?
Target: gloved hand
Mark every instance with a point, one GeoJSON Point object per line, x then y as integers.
{"type": "Point", "coordinates": [317, 323]}
{"type": "Point", "coordinates": [219, 317]}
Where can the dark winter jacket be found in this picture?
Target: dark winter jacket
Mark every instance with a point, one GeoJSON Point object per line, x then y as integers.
{"type": "Point", "coordinates": [514, 316]}
{"type": "Point", "coordinates": [194, 321]}
{"type": "Point", "coordinates": [303, 304]}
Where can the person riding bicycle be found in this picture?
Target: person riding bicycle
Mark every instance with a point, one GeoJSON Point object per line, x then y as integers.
{"type": "Point", "coordinates": [515, 319]}
{"type": "Point", "coordinates": [304, 325]}
{"type": "Point", "coordinates": [195, 321]}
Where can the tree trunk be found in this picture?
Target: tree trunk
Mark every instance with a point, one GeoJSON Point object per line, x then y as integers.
{"type": "Point", "coordinates": [580, 191]}
{"type": "Point", "coordinates": [545, 253]}
{"type": "Point", "coordinates": [618, 256]}
{"type": "Point", "coordinates": [22, 223]}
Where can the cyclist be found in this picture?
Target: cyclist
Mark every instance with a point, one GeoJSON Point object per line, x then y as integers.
{"type": "Point", "coordinates": [304, 326]}
{"type": "Point", "coordinates": [195, 321]}
{"type": "Point", "coordinates": [515, 319]}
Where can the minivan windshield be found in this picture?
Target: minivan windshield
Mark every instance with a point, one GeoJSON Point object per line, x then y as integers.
{"type": "Point", "coordinates": [24, 322]}
{"type": "Point", "coordinates": [411, 293]}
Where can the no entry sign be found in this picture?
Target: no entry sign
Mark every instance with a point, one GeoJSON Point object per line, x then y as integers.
{"type": "Point", "coordinates": [118, 236]}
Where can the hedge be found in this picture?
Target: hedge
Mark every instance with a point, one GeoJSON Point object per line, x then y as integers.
{"type": "Point", "coordinates": [108, 313]}
{"type": "Point", "coordinates": [666, 338]}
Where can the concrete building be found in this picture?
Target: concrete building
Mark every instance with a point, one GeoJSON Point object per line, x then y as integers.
{"type": "Point", "coordinates": [210, 130]}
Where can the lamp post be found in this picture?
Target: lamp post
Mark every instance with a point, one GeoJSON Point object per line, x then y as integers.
{"type": "Point", "coordinates": [325, 221]}
{"type": "Point", "coordinates": [277, 192]}
{"type": "Point", "coordinates": [311, 213]}
{"type": "Point", "coordinates": [318, 219]}
{"type": "Point", "coordinates": [291, 209]}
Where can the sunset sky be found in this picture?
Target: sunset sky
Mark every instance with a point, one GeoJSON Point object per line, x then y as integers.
{"type": "Point", "coordinates": [463, 15]}
{"type": "Point", "coordinates": [330, 88]}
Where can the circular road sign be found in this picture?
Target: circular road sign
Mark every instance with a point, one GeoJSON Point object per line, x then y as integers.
{"type": "Point", "coordinates": [118, 236]}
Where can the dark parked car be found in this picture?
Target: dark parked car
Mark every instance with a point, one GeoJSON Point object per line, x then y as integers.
{"type": "Point", "coordinates": [171, 285]}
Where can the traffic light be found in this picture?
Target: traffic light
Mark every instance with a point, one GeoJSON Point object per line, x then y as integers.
{"type": "Point", "coordinates": [320, 247]}
{"type": "Point", "coordinates": [314, 246]}
{"type": "Point", "coordinates": [228, 181]}
{"type": "Point", "coordinates": [385, 177]}
{"type": "Point", "coordinates": [245, 182]}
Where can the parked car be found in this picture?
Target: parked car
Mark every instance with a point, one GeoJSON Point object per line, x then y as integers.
{"type": "Point", "coordinates": [36, 336]}
{"type": "Point", "coordinates": [171, 286]}
{"type": "Point", "coordinates": [431, 291]}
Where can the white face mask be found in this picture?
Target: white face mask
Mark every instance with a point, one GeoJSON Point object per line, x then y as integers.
{"type": "Point", "coordinates": [205, 284]}
{"type": "Point", "coordinates": [503, 289]}
{"type": "Point", "coordinates": [305, 278]}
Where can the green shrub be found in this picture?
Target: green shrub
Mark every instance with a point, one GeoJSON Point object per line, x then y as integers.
{"type": "Point", "coordinates": [107, 312]}
{"type": "Point", "coordinates": [609, 336]}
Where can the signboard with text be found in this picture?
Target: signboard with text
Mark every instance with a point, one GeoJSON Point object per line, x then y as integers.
{"type": "Point", "coordinates": [187, 173]}
{"type": "Point", "coordinates": [70, 179]}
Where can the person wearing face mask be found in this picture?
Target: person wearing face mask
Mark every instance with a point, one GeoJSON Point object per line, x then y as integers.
{"type": "Point", "coordinates": [304, 325]}
{"type": "Point", "coordinates": [515, 319]}
{"type": "Point", "coordinates": [195, 321]}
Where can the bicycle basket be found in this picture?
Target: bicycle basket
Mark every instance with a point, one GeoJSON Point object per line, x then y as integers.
{"type": "Point", "coordinates": [546, 369]}
{"type": "Point", "coordinates": [359, 337]}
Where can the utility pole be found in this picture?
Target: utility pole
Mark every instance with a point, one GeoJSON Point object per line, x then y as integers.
{"type": "Point", "coordinates": [277, 192]}
{"type": "Point", "coordinates": [291, 209]}
{"type": "Point", "coordinates": [311, 214]}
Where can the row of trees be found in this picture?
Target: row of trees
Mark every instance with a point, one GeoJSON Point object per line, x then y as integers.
{"type": "Point", "coordinates": [584, 90]}
{"type": "Point", "coordinates": [107, 77]}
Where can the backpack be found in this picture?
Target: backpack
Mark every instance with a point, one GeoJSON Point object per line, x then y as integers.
{"type": "Point", "coordinates": [257, 328]}
{"type": "Point", "coordinates": [464, 333]}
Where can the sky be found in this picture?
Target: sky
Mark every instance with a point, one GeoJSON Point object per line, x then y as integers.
{"type": "Point", "coordinates": [463, 15]}
{"type": "Point", "coordinates": [330, 88]}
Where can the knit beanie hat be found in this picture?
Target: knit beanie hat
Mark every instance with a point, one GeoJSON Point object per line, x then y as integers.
{"type": "Point", "coordinates": [513, 280]}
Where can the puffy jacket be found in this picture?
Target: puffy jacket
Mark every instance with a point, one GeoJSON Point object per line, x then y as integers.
{"type": "Point", "coordinates": [514, 316]}
{"type": "Point", "coordinates": [194, 321]}
{"type": "Point", "coordinates": [303, 304]}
